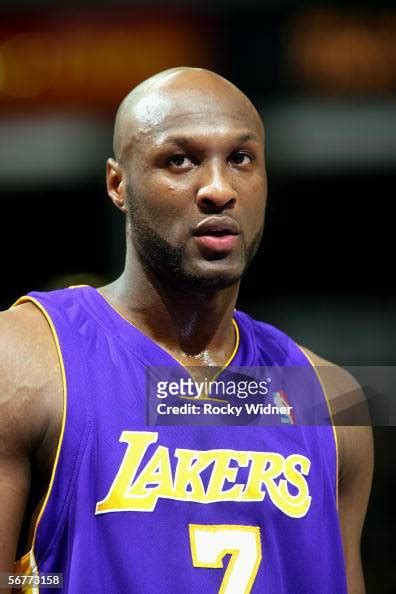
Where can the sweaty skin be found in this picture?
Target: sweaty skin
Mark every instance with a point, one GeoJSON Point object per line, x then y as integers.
{"type": "Point", "coordinates": [188, 149]}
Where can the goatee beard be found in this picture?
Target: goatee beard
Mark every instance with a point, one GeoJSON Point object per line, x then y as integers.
{"type": "Point", "coordinates": [166, 260]}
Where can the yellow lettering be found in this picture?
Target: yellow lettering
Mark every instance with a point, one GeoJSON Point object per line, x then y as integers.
{"type": "Point", "coordinates": [269, 474]}
{"type": "Point", "coordinates": [265, 468]}
{"type": "Point", "coordinates": [188, 483]}
{"type": "Point", "coordinates": [154, 481]}
{"type": "Point", "coordinates": [296, 505]}
{"type": "Point", "coordinates": [117, 497]}
{"type": "Point", "coordinates": [223, 472]}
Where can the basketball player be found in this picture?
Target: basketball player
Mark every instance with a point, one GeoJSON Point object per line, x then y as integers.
{"type": "Point", "coordinates": [87, 488]}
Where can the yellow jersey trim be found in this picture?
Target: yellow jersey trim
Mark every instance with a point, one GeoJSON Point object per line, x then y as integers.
{"type": "Point", "coordinates": [229, 360]}
{"type": "Point", "coordinates": [27, 564]}
{"type": "Point", "coordinates": [331, 417]}
{"type": "Point", "coordinates": [236, 347]}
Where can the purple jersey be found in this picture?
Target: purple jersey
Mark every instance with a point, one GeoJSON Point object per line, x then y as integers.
{"type": "Point", "coordinates": [141, 509]}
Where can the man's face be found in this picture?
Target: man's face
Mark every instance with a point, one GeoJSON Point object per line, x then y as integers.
{"type": "Point", "coordinates": [196, 190]}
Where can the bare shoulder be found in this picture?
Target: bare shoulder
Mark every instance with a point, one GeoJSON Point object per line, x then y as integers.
{"type": "Point", "coordinates": [342, 389]}
{"type": "Point", "coordinates": [350, 414]}
{"type": "Point", "coordinates": [356, 460]}
{"type": "Point", "coordinates": [29, 374]}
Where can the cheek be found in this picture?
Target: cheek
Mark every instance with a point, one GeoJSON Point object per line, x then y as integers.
{"type": "Point", "coordinates": [163, 205]}
{"type": "Point", "coordinates": [255, 203]}
{"type": "Point", "coordinates": [168, 199]}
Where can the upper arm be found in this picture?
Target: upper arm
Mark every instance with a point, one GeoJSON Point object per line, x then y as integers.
{"type": "Point", "coordinates": [24, 378]}
{"type": "Point", "coordinates": [356, 471]}
{"type": "Point", "coordinates": [355, 461]}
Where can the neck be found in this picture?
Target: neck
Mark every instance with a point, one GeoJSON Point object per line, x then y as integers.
{"type": "Point", "coordinates": [196, 328]}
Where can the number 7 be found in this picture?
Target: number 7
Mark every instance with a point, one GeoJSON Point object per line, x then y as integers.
{"type": "Point", "coordinates": [209, 543]}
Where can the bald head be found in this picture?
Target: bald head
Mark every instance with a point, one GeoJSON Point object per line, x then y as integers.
{"type": "Point", "coordinates": [174, 95]}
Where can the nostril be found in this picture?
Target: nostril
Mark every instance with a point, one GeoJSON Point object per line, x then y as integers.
{"type": "Point", "coordinates": [208, 202]}
{"type": "Point", "coordinates": [210, 205]}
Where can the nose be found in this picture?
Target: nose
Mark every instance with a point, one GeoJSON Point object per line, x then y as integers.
{"type": "Point", "coordinates": [216, 192]}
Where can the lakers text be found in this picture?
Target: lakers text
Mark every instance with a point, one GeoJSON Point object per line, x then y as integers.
{"type": "Point", "coordinates": [204, 477]}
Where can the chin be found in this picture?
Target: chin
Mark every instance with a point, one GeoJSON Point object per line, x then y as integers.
{"type": "Point", "coordinates": [210, 285]}
{"type": "Point", "coordinates": [211, 278]}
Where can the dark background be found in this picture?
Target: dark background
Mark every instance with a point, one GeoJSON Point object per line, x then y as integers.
{"type": "Point", "coordinates": [322, 74]}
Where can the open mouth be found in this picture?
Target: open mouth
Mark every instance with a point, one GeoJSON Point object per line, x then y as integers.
{"type": "Point", "coordinates": [217, 226]}
{"type": "Point", "coordinates": [217, 233]}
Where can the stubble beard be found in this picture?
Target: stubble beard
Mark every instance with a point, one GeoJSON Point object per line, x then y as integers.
{"type": "Point", "coordinates": [167, 260]}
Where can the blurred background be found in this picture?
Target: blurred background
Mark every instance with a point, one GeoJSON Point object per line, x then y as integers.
{"type": "Point", "coordinates": [323, 76]}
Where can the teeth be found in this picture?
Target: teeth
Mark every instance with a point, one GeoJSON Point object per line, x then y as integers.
{"type": "Point", "coordinates": [219, 232]}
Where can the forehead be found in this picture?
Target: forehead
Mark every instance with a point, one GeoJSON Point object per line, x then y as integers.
{"type": "Point", "coordinates": [158, 115]}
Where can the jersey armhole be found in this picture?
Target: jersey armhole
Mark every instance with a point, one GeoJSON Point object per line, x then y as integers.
{"type": "Point", "coordinates": [330, 415]}
{"type": "Point", "coordinates": [27, 564]}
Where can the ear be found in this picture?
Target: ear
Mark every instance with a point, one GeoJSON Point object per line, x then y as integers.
{"type": "Point", "coordinates": [115, 181]}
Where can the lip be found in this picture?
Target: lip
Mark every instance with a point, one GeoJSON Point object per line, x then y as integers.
{"type": "Point", "coordinates": [217, 244]}
{"type": "Point", "coordinates": [217, 234]}
{"type": "Point", "coordinates": [217, 226]}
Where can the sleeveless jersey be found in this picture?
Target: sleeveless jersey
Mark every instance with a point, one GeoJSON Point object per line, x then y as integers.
{"type": "Point", "coordinates": [139, 509]}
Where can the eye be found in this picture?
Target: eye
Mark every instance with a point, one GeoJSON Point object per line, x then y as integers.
{"type": "Point", "coordinates": [241, 159]}
{"type": "Point", "coordinates": [180, 161]}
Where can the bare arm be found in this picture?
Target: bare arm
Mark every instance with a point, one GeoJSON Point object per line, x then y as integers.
{"type": "Point", "coordinates": [356, 473]}
{"type": "Point", "coordinates": [356, 462]}
{"type": "Point", "coordinates": [29, 379]}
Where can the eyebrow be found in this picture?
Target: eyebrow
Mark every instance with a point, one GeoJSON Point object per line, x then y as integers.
{"type": "Point", "coordinates": [183, 140]}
